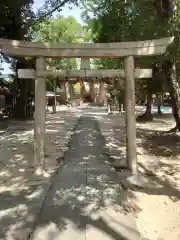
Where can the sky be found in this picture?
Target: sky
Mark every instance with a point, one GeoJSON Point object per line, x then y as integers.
{"type": "Point", "coordinates": [75, 11]}
{"type": "Point", "coordinates": [6, 68]}
{"type": "Point", "coordinates": [66, 11]}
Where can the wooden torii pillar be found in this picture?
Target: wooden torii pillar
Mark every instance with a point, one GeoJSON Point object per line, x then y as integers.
{"type": "Point", "coordinates": [85, 65]}
{"type": "Point", "coordinates": [39, 116]}
{"type": "Point", "coordinates": [130, 117]}
{"type": "Point", "coordinates": [92, 90]}
{"type": "Point", "coordinates": [102, 93]}
{"type": "Point", "coordinates": [40, 112]}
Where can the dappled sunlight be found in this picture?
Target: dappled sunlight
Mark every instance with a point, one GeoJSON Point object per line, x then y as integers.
{"type": "Point", "coordinates": [56, 122]}
{"type": "Point", "coordinates": [157, 151]}
{"type": "Point", "coordinates": [86, 193]}
{"type": "Point", "coordinates": [58, 131]}
{"type": "Point", "coordinates": [114, 138]}
{"type": "Point", "coordinates": [21, 209]}
{"type": "Point", "coordinates": [18, 210]}
{"type": "Point", "coordinates": [161, 152]}
{"type": "Point", "coordinates": [21, 192]}
{"type": "Point", "coordinates": [101, 193]}
{"type": "Point", "coordinates": [48, 232]}
{"type": "Point", "coordinates": [17, 149]}
{"type": "Point", "coordinates": [51, 130]}
{"type": "Point", "coordinates": [36, 194]}
{"type": "Point", "coordinates": [158, 201]}
{"type": "Point", "coordinates": [159, 162]}
{"type": "Point", "coordinates": [97, 113]}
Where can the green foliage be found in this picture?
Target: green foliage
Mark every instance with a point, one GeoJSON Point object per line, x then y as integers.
{"type": "Point", "coordinates": [51, 6]}
{"type": "Point", "coordinates": [118, 21]}
{"type": "Point", "coordinates": [15, 18]}
{"type": "Point", "coordinates": [60, 30]}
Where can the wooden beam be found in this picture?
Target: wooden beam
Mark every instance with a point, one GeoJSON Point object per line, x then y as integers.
{"type": "Point", "coordinates": [113, 50]}
{"type": "Point", "coordinates": [100, 73]}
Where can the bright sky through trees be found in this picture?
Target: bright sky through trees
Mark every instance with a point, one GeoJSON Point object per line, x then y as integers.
{"type": "Point", "coordinates": [66, 11]}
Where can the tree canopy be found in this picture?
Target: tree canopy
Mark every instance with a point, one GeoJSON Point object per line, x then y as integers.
{"type": "Point", "coordinates": [15, 17]}
{"type": "Point", "coordinates": [105, 21]}
{"type": "Point", "coordinates": [60, 30]}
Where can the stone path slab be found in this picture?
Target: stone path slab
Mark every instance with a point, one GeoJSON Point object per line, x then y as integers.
{"type": "Point", "coordinates": [86, 199]}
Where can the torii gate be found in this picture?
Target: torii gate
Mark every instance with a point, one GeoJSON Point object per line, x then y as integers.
{"type": "Point", "coordinates": [127, 50]}
{"type": "Point", "coordinates": [86, 73]}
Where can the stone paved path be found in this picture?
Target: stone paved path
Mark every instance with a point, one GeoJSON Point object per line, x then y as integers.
{"type": "Point", "coordinates": [85, 201]}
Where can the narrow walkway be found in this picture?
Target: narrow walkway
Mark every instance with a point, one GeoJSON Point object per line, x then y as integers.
{"type": "Point", "coordinates": [85, 200]}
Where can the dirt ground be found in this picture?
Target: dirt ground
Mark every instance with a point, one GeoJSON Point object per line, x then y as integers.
{"type": "Point", "coordinates": [17, 148]}
{"type": "Point", "coordinates": [156, 205]}
{"type": "Point", "coordinates": [159, 159]}
{"type": "Point", "coordinates": [22, 192]}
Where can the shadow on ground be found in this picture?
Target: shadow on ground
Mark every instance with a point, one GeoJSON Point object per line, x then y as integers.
{"type": "Point", "coordinates": [158, 155]}
{"type": "Point", "coordinates": [86, 199]}
{"type": "Point", "coordinates": [160, 143]}
{"type": "Point", "coordinates": [21, 192]}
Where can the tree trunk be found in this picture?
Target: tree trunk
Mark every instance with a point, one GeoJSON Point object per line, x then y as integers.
{"type": "Point", "coordinates": [159, 103]}
{"type": "Point", "coordinates": [147, 116]}
{"type": "Point", "coordinates": [21, 107]}
{"type": "Point", "coordinates": [116, 105]}
{"type": "Point", "coordinates": [148, 111]}
{"type": "Point", "coordinates": [170, 74]}
{"type": "Point", "coordinates": [121, 101]}
{"type": "Point", "coordinates": [54, 101]}
{"type": "Point", "coordinates": [159, 109]}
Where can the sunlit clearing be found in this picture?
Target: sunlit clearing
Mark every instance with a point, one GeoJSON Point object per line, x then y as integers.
{"type": "Point", "coordinates": [51, 122]}
{"type": "Point", "coordinates": [5, 173]}
{"type": "Point", "coordinates": [43, 233]}
{"type": "Point", "coordinates": [18, 157]}
{"type": "Point", "coordinates": [35, 194]}
{"type": "Point", "coordinates": [30, 132]}
{"type": "Point", "coordinates": [95, 113]}
{"type": "Point", "coordinates": [21, 209]}
{"type": "Point", "coordinates": [51, 130]}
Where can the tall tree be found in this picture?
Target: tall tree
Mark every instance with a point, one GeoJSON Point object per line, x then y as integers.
{"type": "Point", "coordinates": [60, 30]}
{"type": "Point", "coordinates": [51, 6]}
{"type": "Point", "coordinates": [17, 21]}
{"type": "Point", "coordinates": [116, 21]}
{"type": "Point", "coordinates": [138, 20]}
{"type": "Point", "coordinates": [168, 12]}
{"type": "Point", "coordinates": [14, 18]}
